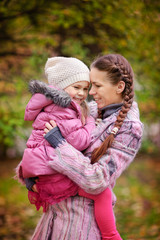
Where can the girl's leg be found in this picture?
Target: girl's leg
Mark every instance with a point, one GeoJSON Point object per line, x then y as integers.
{"type": "Point", "coordinates": [104, 214]}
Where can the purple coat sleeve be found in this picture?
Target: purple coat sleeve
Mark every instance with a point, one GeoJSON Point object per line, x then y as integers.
{"type": "Point", "coordinates": [95, 178]}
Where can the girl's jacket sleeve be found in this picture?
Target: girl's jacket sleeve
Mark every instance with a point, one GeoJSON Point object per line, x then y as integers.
{"type": "Point", "coordinates": [97, 177]}
{"type": "Point", "coordinates": [37, 102]}
{"type": "Point", "coordinates": [75, 133]}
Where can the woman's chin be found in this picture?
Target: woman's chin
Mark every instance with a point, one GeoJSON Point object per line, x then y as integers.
{"type": "Point", "coordinates": [99, 105]}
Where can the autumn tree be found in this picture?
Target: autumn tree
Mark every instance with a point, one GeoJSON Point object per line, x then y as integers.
{"type": "Point", "coordinates": [30, 31]}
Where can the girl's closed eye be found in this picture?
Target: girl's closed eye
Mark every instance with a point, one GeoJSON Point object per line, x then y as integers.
{"type": "Point", "coordinates": [86, 89]}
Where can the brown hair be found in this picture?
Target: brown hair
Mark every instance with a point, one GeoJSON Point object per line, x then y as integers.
{"type": "Point", "coordinates": [118, 69]}
{"type": "Point", "coordinates": [84, 111]}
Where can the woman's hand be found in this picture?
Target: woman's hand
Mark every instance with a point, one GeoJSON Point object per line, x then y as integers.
{"type": "Point", "coordinates": [49, 126]}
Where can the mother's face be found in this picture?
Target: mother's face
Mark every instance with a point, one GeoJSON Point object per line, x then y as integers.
{"type": "Point", "coordinates": [103, 91]}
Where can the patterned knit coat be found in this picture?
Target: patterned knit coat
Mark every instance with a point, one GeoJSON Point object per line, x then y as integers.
{"type": "Point", "coordinates": [73, 218]}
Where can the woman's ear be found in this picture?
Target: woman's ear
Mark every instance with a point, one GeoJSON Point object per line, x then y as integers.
{"type": "Point", "coordinates": [120, 87]}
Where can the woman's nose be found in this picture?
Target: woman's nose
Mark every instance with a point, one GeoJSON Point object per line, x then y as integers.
{"type": "Point", "coordinates": [91, 91]}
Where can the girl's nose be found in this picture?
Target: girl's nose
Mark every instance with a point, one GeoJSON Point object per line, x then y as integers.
{"type": "Point", "coordinates": [80, 92]}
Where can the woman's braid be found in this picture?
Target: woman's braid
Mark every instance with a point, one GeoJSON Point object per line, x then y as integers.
{"type": "Point", "coordinates": [128, 93]}
{"type": "Point", "coordinates": [118, 69]}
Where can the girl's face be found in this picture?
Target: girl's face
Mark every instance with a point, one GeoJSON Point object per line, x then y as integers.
{"type": "Point", "coordinates": [78, 91]}
{"type": "Point", "coordinates": [103, 91]}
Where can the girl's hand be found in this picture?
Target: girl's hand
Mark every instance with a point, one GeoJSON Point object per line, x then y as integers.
{"type": "Point", "coordinates": [34, 188]}
{"type": "Point", "coordinates": [49, 126]}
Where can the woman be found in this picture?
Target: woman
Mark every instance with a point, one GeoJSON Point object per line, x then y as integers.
{"type": "Point", "coordinates": [113, 147]}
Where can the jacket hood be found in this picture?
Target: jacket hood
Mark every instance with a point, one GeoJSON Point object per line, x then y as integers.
{"type": "Point", "coordinates": [133, 113]}
{"type": "Point", "coordinates": [58, 96]}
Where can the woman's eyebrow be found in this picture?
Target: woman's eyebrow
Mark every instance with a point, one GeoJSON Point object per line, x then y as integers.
{"type": "Point", "coordinates": [96, 83]}
{"type": "Point", "coordinates": [78, 85]}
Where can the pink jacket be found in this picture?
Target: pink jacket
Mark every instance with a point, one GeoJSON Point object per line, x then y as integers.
{"type": "Point", "coordinates": [41, 109]}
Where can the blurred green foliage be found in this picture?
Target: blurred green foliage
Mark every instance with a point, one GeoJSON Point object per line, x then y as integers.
{"type": "Point", "coordinates": [31, 31]}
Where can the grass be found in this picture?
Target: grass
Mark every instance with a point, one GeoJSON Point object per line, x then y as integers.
{"type": "Point", "coordinates": [17, 217]}
{"type": "Point", "coordinates": [137, 210]}
{"type": "Point", "coordinates": [138, 207]}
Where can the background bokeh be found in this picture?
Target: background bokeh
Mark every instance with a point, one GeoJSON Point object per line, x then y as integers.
{"type": "Point", "coordinates": [32, 31]}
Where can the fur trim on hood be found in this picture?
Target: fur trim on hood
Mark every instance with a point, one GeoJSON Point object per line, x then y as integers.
{"type": "Point", "coordinates": [59, 97]}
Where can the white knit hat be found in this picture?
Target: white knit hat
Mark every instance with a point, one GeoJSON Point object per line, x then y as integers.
{"type": "Point", "coordinates": [64, 71]}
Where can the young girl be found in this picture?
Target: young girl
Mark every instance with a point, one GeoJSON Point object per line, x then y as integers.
{"type": "Point", "coordinates": [69, 110]}
{"type": "Point", "coordinates": [71, 117]}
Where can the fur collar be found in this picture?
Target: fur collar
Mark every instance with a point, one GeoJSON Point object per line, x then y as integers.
{"type": "Point", "coordinates": [59, 97]}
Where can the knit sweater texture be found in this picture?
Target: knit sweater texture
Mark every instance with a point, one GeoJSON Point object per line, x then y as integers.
{"type": "Point", "coordinates": [74, 218]}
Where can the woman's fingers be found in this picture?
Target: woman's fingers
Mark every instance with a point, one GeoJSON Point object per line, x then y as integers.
{"type": "Point", "coordinates": [49, 126]}
{"type": "Point", "coordinates": [46, 130]}
{"type": "Point", "coordinates": [53, 123]}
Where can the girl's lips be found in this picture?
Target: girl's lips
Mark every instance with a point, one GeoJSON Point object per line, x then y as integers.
{"type": "Point", "coordinates": [79, 100]}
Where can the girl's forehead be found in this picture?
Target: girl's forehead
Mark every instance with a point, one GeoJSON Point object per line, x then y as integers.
{"type": "Point", "coordinates": [81, 84]}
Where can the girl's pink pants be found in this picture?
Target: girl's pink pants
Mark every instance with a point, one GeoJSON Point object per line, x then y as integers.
{"type": "Point", "coordinates": [104, 214]}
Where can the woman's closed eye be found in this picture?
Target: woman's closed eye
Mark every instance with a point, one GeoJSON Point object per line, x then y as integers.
{"type": "Point", "coordinates": [97, 85]}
